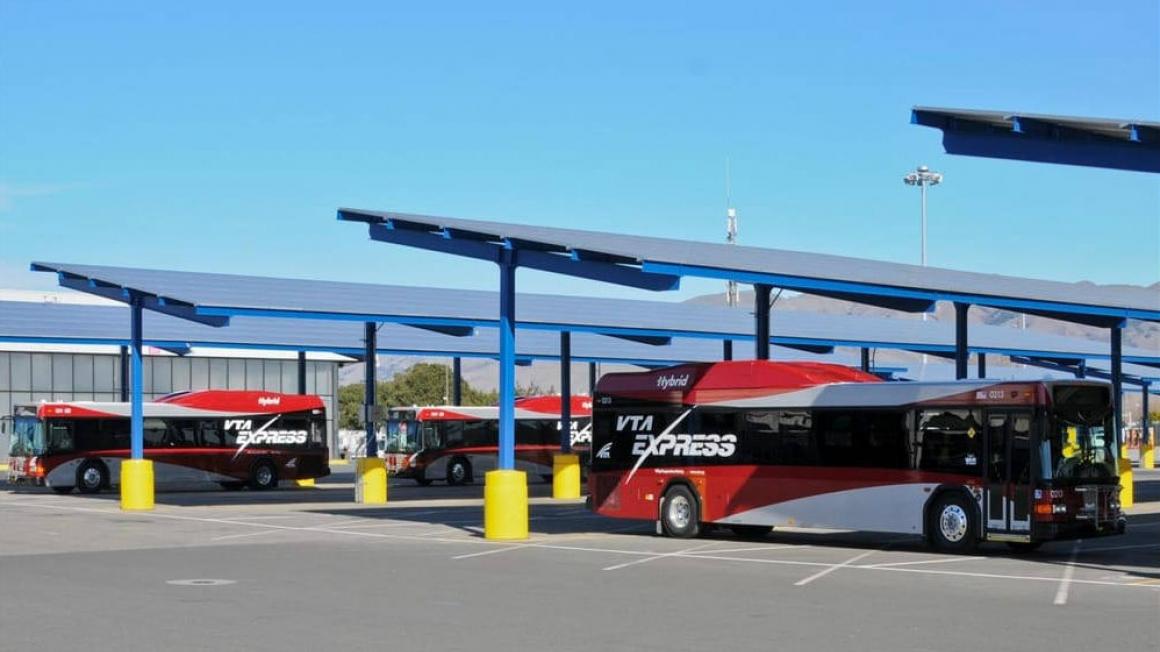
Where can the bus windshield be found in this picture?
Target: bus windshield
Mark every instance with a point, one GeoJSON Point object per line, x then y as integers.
{"type": "Point", "coordinates": [402, 436]}
{"type": "Point", "coordinates": [27, 437]}
{"type": "Point", "coordinates": [1079, 441]}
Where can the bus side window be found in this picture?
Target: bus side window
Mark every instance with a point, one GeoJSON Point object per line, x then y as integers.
{"type": "Point", "coordinates": [211, 433]}
{"type": "Point", "coordinates": [950, 441]}
{"type": "Point", "coordinates": [182, 434]}
{"type": "Point", "coordinates": [60, 437]}
{"type": "Point", "coordinates": [156, 433]}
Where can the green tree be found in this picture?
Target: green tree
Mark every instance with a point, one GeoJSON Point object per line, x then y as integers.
{"type": "Point", "coordinates": [421, 384]}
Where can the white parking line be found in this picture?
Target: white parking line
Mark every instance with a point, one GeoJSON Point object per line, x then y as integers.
{"type": "Point", "coordinates": [243, 535]}
{"type": "Point", "coordinates": [822, 573]}
{"type": "Point", "coordinates": [1065, 581]}
{"type": "Point", "coordinates": [729, 551]}
{"type": "Point", "coordinates": [654, 558]}
{"type": "Point", "coordinates": [118, 514]}
{"type": "Point", "coordinates": [490, 552]}
{"type": "Point", "coordinates": [944, 560]}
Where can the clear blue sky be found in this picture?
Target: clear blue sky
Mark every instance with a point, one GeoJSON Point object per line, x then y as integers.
{"type": "Point", "coordinates": [222, 136]}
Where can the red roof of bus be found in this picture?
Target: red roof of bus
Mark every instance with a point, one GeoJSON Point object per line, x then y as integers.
{"type": "Point", "coordinates": [719, 381]}
{"type": "Point", "coordinates": [200, 403]}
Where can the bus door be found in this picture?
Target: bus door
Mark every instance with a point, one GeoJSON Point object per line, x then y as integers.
{"type": "Point", "coordinates": [1008, 487]}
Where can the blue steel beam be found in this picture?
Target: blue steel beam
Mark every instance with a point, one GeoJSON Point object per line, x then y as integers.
{"type": "Point", "coordinates": [507, 361]}
{"type": "Point", "coordinates": [370, 333]}
{"type": "Point", "coordinates": [136, 408]}
{"type": "Point", "coordinates": [565, 392]}
{"type": "Point", "coordinates": [545, 261]}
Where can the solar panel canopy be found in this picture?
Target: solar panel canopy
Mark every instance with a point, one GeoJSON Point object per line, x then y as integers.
{"type": "Point", "coordinates": [1069, 140]}
{"type": "Point", "coordinates": [282, 303]}
{"type": "Point", "coordinates": [894, 285]}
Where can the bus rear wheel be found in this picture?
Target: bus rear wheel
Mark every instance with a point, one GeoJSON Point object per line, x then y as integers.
{"type": "Point", "coordinates": [951, 525]}
{"type": "Point", "coordinates": [263, 476]}
{"type": "Point", "coordinates": [92, 476]}
{"type": "Point", "coordinates": [680, 513]}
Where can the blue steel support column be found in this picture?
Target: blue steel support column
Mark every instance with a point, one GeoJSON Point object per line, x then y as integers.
{"type": "Point", "coordinates": [1118, 381]}
{"type": "Point", "coordinates": [866, 359]}
{"type": "Point", "coordinates": [982, 364]}
{"type": "Point", "coordinates": [136, 410]}
{"type": "Point", "coordinates": [301, 372]}
{"type": "Point", "coordinates": [456, 381]}
{"type": "Point", "coordinates": [962, 353]}
{"type": "Point", "coordinates": [761, 313]}
{"type": "Point", "coordinates": [124, 374]}
{"type": "Point", "coordinates": [565, 392]}
{"type": "Point", "coordinates": [592, 379]}
{"type": "Point", "coordinates": [1081, 369]}
{"type": "Point", "coordinates": [1144, 422]}
{"type": "Point", "coordinates": [507, 361]}
{"type": "Point", "coordinates": [727, 350]}
{"type": "Point", "coordinates": [369, 337]}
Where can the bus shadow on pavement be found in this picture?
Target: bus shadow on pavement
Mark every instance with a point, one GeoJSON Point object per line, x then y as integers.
{"type": "Point", "coordinates": [543, 519]}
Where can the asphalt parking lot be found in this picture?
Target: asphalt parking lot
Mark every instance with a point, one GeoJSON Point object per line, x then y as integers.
{"type": "Point", "coordinates": [307, 569]}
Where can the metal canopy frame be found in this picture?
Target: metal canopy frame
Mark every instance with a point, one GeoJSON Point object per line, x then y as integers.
{"type": "Point", "coordinates": [1091, 142]}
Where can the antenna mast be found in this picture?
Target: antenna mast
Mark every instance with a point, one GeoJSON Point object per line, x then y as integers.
{"type": "Point", "coordinates": [732, 294]}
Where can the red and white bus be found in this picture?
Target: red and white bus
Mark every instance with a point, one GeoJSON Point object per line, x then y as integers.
{"type": "Point", "coordinates": [457, 443]}
{"type": "Point", "coordinates": [757, 444]}
{"type": "Point", "coordinates": [234, 438]}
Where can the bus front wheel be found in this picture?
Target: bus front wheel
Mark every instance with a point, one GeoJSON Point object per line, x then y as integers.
{"type": "Point", "coordinates": [680, 513]}
{"type": "Point", "coordinates": [92, 477]}
{"type": "Point", "coordinates": [458, 472]}
{"type": "Point", "coordinates": [951, 524]}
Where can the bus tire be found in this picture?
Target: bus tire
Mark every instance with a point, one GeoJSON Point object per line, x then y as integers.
{"type": "Point", "coordinates": [952, 524]}
{"type": "Point", "coordinates": [458, 471]}
{"type": "Point", "coordinates": [263, 476]}
{"type": "Point", "coordinates": [680, 513]}
{"type": "Point", "coordinates": [751, 531]}
{"type": "Point", "coordinates": [63, 490]}
{"type": "Point", "coordinates": [92, 476]}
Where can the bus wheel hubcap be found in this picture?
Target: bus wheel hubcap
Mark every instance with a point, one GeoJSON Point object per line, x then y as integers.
{"type": "Point", "coordinates": [680, 512]}
{"type": "Point", "coordinates": [264, 475]}
{"type": "Point", "coordinates": [457, 472]}
{"type": "Point", "coordinates": [953, 523]}
{"type": "Point", "coordinates": [92, 477]}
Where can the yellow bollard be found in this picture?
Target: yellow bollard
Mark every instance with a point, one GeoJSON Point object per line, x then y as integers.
{"type": "Point", "coordinates": [305, 482]}
{"type": "Point", "coordinates": [1124, 451]}
{"type": "Point", "coordinates": [505, 505]}
{"type": "Point", "coordinates": [1148, 456]}
{"type": "Point", "coordinates": [370, 484]}
{"type": "Point", "coordinates": [136, 485]}
{"type": "Point", "coordinates": [565, 476]}
{"type": "Point", "coordinates": [1127, 493]}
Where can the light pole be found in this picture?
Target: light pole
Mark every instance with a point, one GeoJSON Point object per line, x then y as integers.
{"type": "Point", "coordinates": [923, 177]}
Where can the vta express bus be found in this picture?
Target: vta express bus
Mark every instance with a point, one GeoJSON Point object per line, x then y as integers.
{"type": "Point", "coordinates": [234, 438]}
{"type": "Point", "coordinates": [457, 443]}
{"type": "Point", "coordinates": [758, 444]}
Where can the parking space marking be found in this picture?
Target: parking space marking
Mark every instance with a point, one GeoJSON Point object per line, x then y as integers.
{"type": "Point", "coordinates": [729, 551]}
{"type": "Point", "coordinates": [1068, 571]}
{"type": "Point", "coordinates": [243, 535]}
{"type": "Point", "coordinates": [490, 552]}
{"type": "Point", "coordinates": [822, 573]}
{"type": "Point", "coordinates": [707, 555]}
{"type": "Point", "coordinates": [678, 553]}
{"type": "Point", "coordinates": [941, 560]}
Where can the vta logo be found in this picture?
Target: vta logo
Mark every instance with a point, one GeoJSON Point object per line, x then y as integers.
{"type": "Point", "coordinates": [635, 422]}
